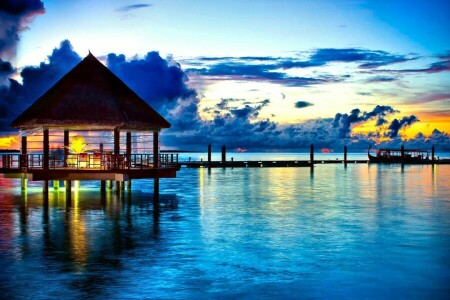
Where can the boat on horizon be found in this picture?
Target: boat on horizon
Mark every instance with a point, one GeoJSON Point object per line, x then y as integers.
{"type": "Point", "coordinates": [392, 155]}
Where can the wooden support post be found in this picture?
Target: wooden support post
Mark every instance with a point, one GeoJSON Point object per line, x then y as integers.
{"type": "Point", "coordinates": [24, 182]}
{"type": "Point", "coordinates": [345, 155]}
{"type": "Point", "coordinates": [68, 184]}
{"type": "Point", "coordinates": [311, 156]}
{"type": "Point", "coordinates": [45, 186]}
{"type": "Point", "coordinates": [129, 185]}
{"type": "Point", "coordinates": [117, 186]}
{"type": "Point", "coordinates": [23, 152]}
{"type": "Point", "coordinates": [402, 150]}
{"type": "Point", "coordinates": [155, 149]}
{"type": "Point", "coordinates": [110, 184]}
{"type": "Point", "coordinates": [128, 150]}
{"type": "Point", "coordinates": [116, 148]}
{"type": "Point", "coordinates": [156, 189]}
{"type": "Point", "coordinates": [224, 154]}
{"type": "Point", "coordinates": [46, 151]}
{"type": "Point", "coordinates": [432, 155]}
{"type": "Point", "coordinates": [122, 185]}
{"type": "Point", "coordinates": [66, 147]}
{"type": "Point", "coordinates": [55, 185]}
{"type": "Point", "coordinates": [209, 155]}
{"type": "Point", "coordinates": [102, 186]}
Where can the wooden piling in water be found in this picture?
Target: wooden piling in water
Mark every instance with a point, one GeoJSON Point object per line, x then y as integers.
{"type": "Point", "coordinates": [156, 189]}
{"type": "Point", "coordinates": [45, 186]}
{"type": "Point", "coordinates": [209, 155]}
{"type": "Point", "coordinates": [402, 150]}
{"type": "Point", "coordinates": [345, 155]}
{"type": "Point", "coordinates": [68, 185]}
{"type": "Point", "coordinates": [311, 156]}
{"type": "Point", "coordinates": [24, 183]}
{"type": "Point", "coordinates": [224, 154]}
{"type": "Point", "coordinates": [432, 154]}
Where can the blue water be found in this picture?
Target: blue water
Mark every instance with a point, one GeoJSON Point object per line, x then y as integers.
{"type": "Point", "coordinates": [365, 231]}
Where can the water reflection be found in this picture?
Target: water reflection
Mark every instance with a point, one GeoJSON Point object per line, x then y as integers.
{"type": "Point", "coordinates": [75, 232]}
{"type": "Point", "coordinates": [277, 232]}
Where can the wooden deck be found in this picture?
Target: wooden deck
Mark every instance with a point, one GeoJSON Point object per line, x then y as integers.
{"type": "Point", "coordinates": [89, 167]}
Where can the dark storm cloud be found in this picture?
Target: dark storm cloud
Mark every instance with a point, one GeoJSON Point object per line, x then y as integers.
{"type": "Point", "coordinates": [396, 125]}
{"type": "Point", "coordinates": [343, 122]}
{"type": "Point", "coordinates": [6, 69]}
{"type": "Point", "coordinates": [14, 15]}
{"type": "Point", "coordinates": [302, 104]}
{"type": "Point", "coordinates": [35, 81]}
{"type": "Point", "coordinates": [158, 81]}
{"type": "Point", "coordinates": [128, 8]}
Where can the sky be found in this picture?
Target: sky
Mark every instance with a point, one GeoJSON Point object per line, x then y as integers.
{"type": "Point", "coordinates": [263, 75]}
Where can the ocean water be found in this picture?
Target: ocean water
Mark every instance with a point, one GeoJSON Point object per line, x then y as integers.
{"type": "Point", "coordinates": [364, 231]}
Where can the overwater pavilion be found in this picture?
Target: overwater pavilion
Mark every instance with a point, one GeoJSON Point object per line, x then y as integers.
{"type": "Point", "coordinates": [90, 126]}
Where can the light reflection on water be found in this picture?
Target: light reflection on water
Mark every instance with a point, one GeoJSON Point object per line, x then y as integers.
{"type": "Point", "coordinates": [360, 231]}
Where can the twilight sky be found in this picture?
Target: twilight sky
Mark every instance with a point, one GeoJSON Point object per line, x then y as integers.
{"type": "Point", "coordinates": [251, 74]}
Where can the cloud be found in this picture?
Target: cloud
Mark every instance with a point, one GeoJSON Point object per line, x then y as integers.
{"type": "Point", "coordinates": [15, 15]}
{"type": "Point", "coordinates": [273, 69]}
{"type": "Point", "coordinates": [14, 18]}
{"type": "Point", "coordinates": [344, 122]}
{"type": "Point", "coordinates": [232, 122]}
{"type": "Point", "coordinates": [436, 67]}
{"type": "Point", "coordinates": [396, 125]}
{"type": "Point", "coordinates": [6, 70]}
{"type": "Point", "coordinates": [302, 104]}
{"type": "Point", "coordinates": [128, 8]}
{"type": "Point", "coordinates": [260, 72]}
{"type": "Point", "coordinates": [369, 59]}
{"type": "Point", "coordinates": [161, 82]}
{"type": "Point", "coordinates": [378, 79]}
{"type": "Point", "coordinates": [35, 81]}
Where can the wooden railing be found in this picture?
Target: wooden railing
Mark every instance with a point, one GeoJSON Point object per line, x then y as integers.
{"type": "Point", "coordinates": [83, 161]}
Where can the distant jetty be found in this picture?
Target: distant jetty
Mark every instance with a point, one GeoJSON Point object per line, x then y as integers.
{"type": "Point", "coordinates": [224, 163]}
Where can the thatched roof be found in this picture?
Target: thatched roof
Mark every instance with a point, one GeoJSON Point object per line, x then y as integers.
{"type": "Point", "coordinates": [90, 96]}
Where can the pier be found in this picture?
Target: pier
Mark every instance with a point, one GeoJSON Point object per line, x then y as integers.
{"type": "Point", "coordinates": [224, 163]}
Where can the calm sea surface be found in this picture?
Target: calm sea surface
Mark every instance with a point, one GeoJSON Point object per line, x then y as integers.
{"type": "Point", "coordinates": [365, 231]}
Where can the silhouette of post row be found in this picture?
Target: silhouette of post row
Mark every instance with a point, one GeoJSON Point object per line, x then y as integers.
{"type": "Point", "coordinates": [224, 163]}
